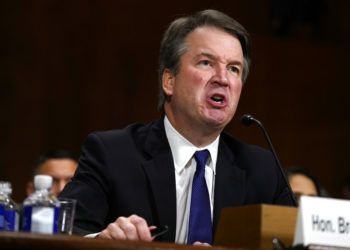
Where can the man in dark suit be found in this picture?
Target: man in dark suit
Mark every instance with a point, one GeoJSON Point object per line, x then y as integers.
{"type": "Point", "coordinates": [132, 180]}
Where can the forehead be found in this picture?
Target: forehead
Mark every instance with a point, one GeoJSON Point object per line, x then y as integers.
{"type": "Point", "coordinates": [55, 166]}
{"type": "Point", "coordinates": [216, 39]}
{"type": "Point", "coordinates": [303, 184]}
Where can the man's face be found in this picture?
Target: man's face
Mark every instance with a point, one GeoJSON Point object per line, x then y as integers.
{"type": "Point", "coordinates": [206, 90]}
{"type": "Point", "coordinates": [61, 170]}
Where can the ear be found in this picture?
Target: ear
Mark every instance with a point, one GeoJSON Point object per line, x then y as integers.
{"type": "Point", "coordinates": [168, 80]}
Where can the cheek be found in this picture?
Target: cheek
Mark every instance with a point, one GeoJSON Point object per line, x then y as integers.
{"type": "Point", "coordinates": [198, 78]}
{"type": "Point", "coordinates": [239, 90]}
{"type": "Point", "coordinates": [236, 89]}
{"type": "Point", "coordinates": [198, 86]}
{"type": "Point", "coordinates": [235, 95]}
{"type": "Point", "coordinates": [193, 77]}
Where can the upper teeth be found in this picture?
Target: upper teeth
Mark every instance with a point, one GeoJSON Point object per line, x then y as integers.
{"type": "Point", "coordinates": [217, 98]}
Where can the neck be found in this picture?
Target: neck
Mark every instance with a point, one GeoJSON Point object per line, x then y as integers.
{"type": "Point", "coordinates": [198, 136]}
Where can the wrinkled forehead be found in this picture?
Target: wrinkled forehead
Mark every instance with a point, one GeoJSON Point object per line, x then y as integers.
{"type": "Point", "coordinates": [211, 28]}
{"type": "Point", "coordinates": [211, 40]}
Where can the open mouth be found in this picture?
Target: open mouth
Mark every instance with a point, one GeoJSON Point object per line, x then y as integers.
{"type": "Point", "coordinates": [217, 98]}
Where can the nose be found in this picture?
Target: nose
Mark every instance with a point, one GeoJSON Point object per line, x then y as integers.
{"type": "Point", "coordinates": [221, 75]}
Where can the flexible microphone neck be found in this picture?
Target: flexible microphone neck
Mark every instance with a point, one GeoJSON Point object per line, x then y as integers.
{"type": "Point", "coordinates": [247, 121]}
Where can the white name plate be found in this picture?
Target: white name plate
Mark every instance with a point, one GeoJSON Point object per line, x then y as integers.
{"type": "Point", "coordinates": [323, 221]}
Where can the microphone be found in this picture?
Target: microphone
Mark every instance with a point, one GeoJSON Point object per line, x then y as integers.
{"type": "Point", "coordinates": [247, 121]}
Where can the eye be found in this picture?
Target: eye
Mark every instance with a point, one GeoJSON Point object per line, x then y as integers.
{"type": "Point", "coordinates": [205, 63]}
{"type": "Point", "coordinates": [234, 69]}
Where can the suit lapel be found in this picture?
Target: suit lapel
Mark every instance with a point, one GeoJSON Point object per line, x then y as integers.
{"type": "Point", "coordinates": [230, 185]}
{"type": "Point", "coordinates": [159, 169]}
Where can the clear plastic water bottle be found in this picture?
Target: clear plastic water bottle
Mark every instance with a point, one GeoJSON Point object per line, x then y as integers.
{"type": "Point", "coordinates": [41, 208]}
{"type": "Point", "coordinates": [9, 210]}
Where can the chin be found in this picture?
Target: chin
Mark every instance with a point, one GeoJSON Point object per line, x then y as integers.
{"type": "Point", "coordinates": [219, 119]}
{"type": "Point", "coordinates": [217, 124]}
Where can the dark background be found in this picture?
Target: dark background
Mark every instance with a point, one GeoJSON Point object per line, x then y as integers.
{"type": "Point", "coordinates": [68, 68]}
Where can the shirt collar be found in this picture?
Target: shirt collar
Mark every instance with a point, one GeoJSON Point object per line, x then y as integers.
{"type": "Point", "coordinates": [183, 150]}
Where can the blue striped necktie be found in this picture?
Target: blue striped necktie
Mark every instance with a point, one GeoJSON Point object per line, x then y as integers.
{"type": "Point", "coordinates": [200, 225]}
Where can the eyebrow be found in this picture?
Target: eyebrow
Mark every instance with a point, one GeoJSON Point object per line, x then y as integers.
{"type": "Point", "coordinates": [212, 57]}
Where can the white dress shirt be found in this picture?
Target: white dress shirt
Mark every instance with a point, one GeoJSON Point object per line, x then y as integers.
{"type": "Point", "coordinates": [185, 166]}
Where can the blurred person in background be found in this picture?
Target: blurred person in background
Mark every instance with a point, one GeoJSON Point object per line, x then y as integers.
{"type": "Point", "coordinates": [303, 182]}
{"type": "Point", "coordinates": [60, 164]}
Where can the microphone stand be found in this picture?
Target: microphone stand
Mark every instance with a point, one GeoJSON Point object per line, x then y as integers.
{"type": "Point", "coordinates": [247, 120]}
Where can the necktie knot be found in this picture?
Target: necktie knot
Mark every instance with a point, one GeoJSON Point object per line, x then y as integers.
{"type": "Point", "coordinates": [201, 158]}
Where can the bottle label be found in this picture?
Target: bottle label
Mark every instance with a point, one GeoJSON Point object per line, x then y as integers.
{"type": "Point", "coordinates": [27, 219]}
{"type": "Point", "coordinates": [41, 219]}
{"type": "Point", "coordinates": [11, 220]}
{"type": "Point", "coordinates": [2, 217]}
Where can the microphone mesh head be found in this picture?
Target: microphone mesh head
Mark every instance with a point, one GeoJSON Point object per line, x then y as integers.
{"type": "Point", "coordinates": [247, 120]}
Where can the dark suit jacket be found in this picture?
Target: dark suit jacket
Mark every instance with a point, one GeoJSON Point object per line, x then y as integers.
{"type": "Point", "coordinates": [131, 171]}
